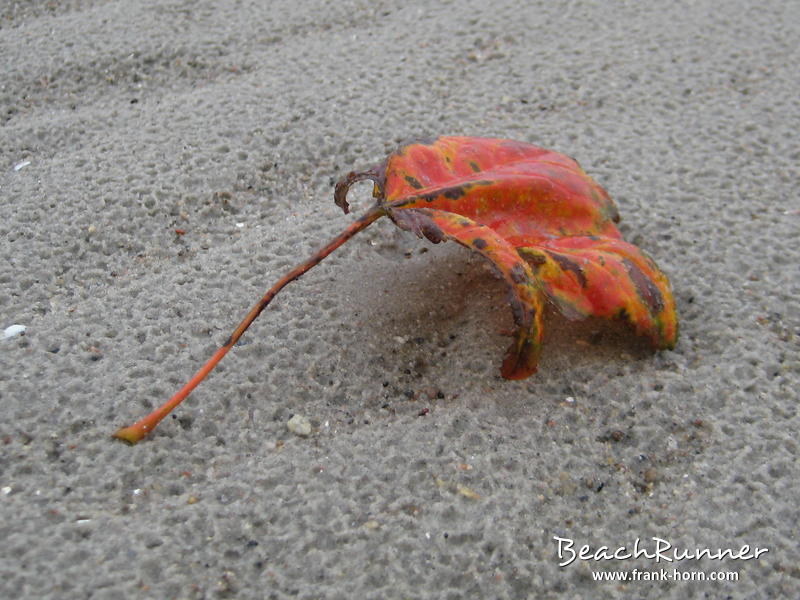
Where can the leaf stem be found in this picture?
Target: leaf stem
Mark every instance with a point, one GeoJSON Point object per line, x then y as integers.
{"type": "Point", "coordinates": [140, 429]}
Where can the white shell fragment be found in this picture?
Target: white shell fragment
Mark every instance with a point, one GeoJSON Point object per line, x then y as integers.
{"type": "Point", "coordinates": [13, 331]}
{"type": "Point", "coordinates": [299, 425]}
{"type": "Point", "coordinates": [21, 165]}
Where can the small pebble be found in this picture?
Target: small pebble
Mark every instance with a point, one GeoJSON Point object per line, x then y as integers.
{"type": "Point", "coordinates": [13, 331]}
{"type": "Point", "coordinates": [299, 425]}
{"type": "Point", "coordinates": [650, 475]}
{"type": "Point", "coordinates": [467, 492]}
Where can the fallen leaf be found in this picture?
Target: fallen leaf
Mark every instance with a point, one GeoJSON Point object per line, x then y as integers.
{"type": "Point", "coordinates": [546, 226]}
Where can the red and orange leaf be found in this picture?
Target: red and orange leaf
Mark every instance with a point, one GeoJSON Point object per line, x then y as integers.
{"type": "Point", "coordinates": [547, 227]}
{"type": "Point", "coordinates": [543, 205]}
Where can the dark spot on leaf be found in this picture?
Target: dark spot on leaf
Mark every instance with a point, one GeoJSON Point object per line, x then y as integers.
{"type": "Point", "coordinates": [432, 231]}
{"type": "Point", "coordinates": [455, 193]}
{"type": "Point", "coordinates": [567, 264]}
{"type": "Point", "coordinates": [517, 310]}
{"type": "Point", "coordinates": [474, 166]}
{"type": "Point", "coordinates": [479, 243]}
{"type": "Point", "coordinates": [518, 274]}
{"type": "Point", "coordinates": [645, 287]}
{"type": "Point", "coordinates": [533, 257]}
{"type": "Point", "coordinates": [418, 222]}
{"type": "Point", "coordinates": [413, 182]}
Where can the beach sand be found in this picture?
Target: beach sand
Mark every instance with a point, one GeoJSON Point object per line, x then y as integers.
{"type": "Point", "coordinates": [426, 475]}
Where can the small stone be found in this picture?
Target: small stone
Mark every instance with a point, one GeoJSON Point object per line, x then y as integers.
{"type": "Point", "coordinates": [13, 331]}
{"type": "Point", "coordinates": [467, 492]}
{"type": "Point", "coordinates": [650, 475]}
{"type": "Point", "coordinates": [299, 425]}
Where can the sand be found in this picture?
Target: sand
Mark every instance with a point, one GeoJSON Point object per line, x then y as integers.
{"type": "Point", "coordinates": [425, 475]}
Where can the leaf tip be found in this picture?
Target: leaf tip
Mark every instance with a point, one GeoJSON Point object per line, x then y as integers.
{"type": "Point", "coordinates": [522, 360]}
{"type": "Point", "coordinates": [377, 174]}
